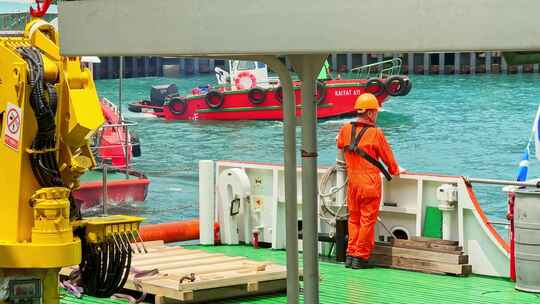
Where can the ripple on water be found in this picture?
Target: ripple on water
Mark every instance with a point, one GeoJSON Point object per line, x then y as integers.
{"type": "Point", "coordinates": [459, 125]}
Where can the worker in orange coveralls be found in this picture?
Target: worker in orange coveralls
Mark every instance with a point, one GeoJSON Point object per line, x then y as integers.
{"type": "Point", "coordinates": [363, 145]}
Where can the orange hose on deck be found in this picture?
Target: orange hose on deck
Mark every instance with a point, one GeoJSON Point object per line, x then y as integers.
{"type": "Point", "coordinates": [175, 231]}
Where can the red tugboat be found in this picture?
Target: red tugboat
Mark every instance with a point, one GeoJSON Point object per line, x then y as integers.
{"type": "Point", "coordinates": [247, 93]}
{"type": "Point", "coordinates": [114, 147]}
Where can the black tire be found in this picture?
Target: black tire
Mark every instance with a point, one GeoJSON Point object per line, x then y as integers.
{"type": "Point", "coordinates": [214, 99]}
{"type": "Point", "coordinates": [135, 145]}
{"type": "Point", "coordinates": [278, 94]}
{"type": "Point", "coordinates": [256, 95]}
{"type": "Point", "coordinates": [320, 92]}
{"type": "Point", "coordinates": [408, 86]}
{"type": "Point", "coordinates": [372, 82]}
{"type": "Point", "coordinates": [400, 87]}
{"type": "Point", "coordinates": [177, 105]}
{"type": "Point", "coordinates": [134, 107]}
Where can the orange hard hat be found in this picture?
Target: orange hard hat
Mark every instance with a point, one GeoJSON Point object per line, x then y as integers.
{"type": "Point", "coordinates": [366, 101]}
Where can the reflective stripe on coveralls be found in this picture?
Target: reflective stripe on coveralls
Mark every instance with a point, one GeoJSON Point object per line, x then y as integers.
{"type": "Point", "coordinates": [364, 187]}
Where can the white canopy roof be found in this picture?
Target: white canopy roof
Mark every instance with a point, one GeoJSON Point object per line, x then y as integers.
{"type": "Point", "coordinates": [240, 27]}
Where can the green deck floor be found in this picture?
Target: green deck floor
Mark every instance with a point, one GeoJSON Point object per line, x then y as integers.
{"type": "Point", "coordinates": [378, 285]}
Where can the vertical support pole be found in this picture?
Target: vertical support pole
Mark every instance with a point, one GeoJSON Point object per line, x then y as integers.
{"type": "Point", "coordinates": [120, 84]}
{"type": "Point", "coordinates": [457, 63]}
{"type": "Point", "coordinates": [104, 189]}
{"type": "Point", "coordinates": [473, 62]}
{"type": "Point", "coordinates": [134, 67]}
{"type": "Point", "coordinates": [504, 65]}
{"type": "Point", "coordinates": [146, 64]}
{"type": "Point", "coordinates": [181, 66]}
{"type": "Point", "coordinates": [535, 68]}
{"type": "Point", "coordinates": [159, 67]}
{"type": "Point", "coordinates": [520, 69]}
{"type": "Point", "coordinates": [291, 199]}
{"type": "Point", "coordinates": [334, 63]}
{"type": "Point", "coordinates": [426, 64]}
{"type": "Point", "coordinates": [110, 65]}
{"type": "Point", "coordinates": [442, 64]}
{"type": "Point", "coordinates": [211, 65]}
{"type": "Point", "coordinates": [340, 238]}
{"type": "Point", "coordinates": [308, 67]}
{"type": "Point", "coordinates": [196, 66]}
{"type": "Point", "coordinates": [488, 62]}
{"type": "Point", "coordinates": [364, 59]}
{"type": "Point", "coordinates": [410, 63]}
{"type": "Point", "coordinates": [206, 202]}
{"type": "Point", "coordinates": [349, 62]}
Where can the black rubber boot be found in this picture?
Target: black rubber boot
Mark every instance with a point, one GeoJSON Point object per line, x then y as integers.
{"type": "Point", "coordinates": [348, 261]}
{"type": "Point", "coordinates": [358, 263]}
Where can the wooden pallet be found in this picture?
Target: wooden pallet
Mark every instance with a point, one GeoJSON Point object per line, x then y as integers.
{"type": "Point", "coordinates": [422, 254]}
{"type": "Point", "coordinates": [217, 276]}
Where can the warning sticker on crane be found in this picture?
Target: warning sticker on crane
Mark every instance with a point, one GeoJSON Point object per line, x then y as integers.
{"type": "Point", "coordinates": [12, 132]}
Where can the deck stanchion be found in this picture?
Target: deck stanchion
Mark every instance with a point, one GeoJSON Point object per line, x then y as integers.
{"type": "Point", "coordinates": [289, 147]}
{"type": "Point", "coordinates": [308, 67]}
{"type": "Point", "coordinates": [104, 190]}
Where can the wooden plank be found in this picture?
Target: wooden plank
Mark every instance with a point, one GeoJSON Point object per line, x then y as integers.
{"type": "Point", "coordinates": [159, 260]}
{"type": "Point", "coordinates": [160, 253]}
{"type": "Point", "coordinates": [427, 246]}
{"type": "Point", "coordinates": [215, 294]}
{"type": "Point", "coordinates": [218, 267]}
{"type": "Point", "coordinates": [419, 265]}
{"type": "Point", "coordinates": [441, 257]}
{"type": "Point", "coordinates": [238, 279]}
{"type": "Point", "coordinates": [194, 258]}
{"type": "Point", "coordinates": [436, 241]}
{"type": "Point", "coordinates": [190, 263]}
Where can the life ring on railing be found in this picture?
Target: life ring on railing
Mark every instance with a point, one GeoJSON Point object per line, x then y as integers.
{"type": "Point", "coordinates": [376, 83]}
{"type": "Point", "coordinates": [278, 94]}
{"type": "Point", "coordinates": [214, 99]}
{"type": "Point", "coordinates": [177, 105]}
{"type": "Point", "coordinates": [395, 85]}
{"type": "Point", "coordinates": [320, 93]}
{"type": "Point", "coordinates": [256, 95]}
{"type": "Point", "coordinates": [245, 80]}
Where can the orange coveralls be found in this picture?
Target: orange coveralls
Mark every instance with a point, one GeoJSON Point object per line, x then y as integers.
{"type": "Point", "coordinates": [365, 186]}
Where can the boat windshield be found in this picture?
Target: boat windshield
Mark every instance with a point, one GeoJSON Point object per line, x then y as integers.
{"type": "Point", "coordinates": [246, 65]}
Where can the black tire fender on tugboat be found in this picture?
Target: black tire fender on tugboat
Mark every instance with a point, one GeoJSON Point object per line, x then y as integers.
{"type": "Point", "coordinates": [278, 94]}
{"type": "Point", "coordinates": [400, 88]}
{"type": "Point", "coordinates": [408, 86]}
{"type": "Point", "coordinates": [376, 82]}
{"type": "Point", "coordinates": [256, 95]}
{"type": "Point", "coordinates": [134, 107]}
{"type": "Point", "coordinates": [211, 98]}
{"type": "Point", "coordinates": [177, 105]}
{"type": "Point", "coordinates": [320, 92]}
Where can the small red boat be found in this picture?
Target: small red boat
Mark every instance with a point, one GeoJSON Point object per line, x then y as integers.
{"type": "Point", "coordinates": [247, 93]}
{"type": "Point", "coordinates": [114, 147]}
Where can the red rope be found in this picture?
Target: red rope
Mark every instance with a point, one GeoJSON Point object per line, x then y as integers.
{"type": "Point", "coordinates": [41, 9]}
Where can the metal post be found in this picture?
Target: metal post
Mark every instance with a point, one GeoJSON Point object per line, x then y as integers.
{"type": "Point", "coordinates": [104, 190]}
{"type": "Point", "coordinates": [442, 63]}
{"type": "Point", "coordinates": [308, 67]}
{"type": "Point", "coordinates": [291, 211]}
{"type": "Point", "coordinates": [126, 146]}
{"type": "Point", "coordinates": [146, 64]}
{"type": "Point", "coordinates": [457, 63]}
{"type": "Point", "coordinates": [427, 66]}
{"type": "Point", "coordinates": [504, 65]}
{"type": "Point", "coordinates": [410, 63]}
{"type": "Point", "coordinates": [472, 62]}
{"type": "Point", "coordinates": [120, 83]}
{"type": "Point", "coordinates": [349, 62]}
{"type": "Point", "coordinates": [334, 62]}
{"type": "Point", "coordinates": [488, 62]}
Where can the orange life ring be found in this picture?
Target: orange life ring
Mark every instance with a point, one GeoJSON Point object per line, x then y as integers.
{"type": "Point", "coordinates": [239, 80]}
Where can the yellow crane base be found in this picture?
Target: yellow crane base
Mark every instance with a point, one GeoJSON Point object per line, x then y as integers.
{"type": "Point", "coordinates": [31, 255]}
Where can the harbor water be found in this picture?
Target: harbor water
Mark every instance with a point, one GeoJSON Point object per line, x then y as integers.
{"type": "Point", "coordinates": [471, 125]}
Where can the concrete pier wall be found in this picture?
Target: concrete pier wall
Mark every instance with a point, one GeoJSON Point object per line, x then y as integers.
{"type": "Point", "coordinates": [413, 63]}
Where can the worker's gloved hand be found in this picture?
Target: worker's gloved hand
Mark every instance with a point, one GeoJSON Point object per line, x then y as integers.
{"type": "Point", "coordinates": [401, 170]}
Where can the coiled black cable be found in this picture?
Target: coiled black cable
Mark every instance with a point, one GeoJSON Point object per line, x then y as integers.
{"type": "Point", "coordinates": [105, 267]}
